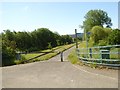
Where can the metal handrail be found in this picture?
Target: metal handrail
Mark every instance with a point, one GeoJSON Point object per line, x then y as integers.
{"type": "Point", "coordinates": [93, 59]}
{"type": "Point", "coordinates": [100, 51]}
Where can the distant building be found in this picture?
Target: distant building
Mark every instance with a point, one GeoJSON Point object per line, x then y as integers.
{"type": "Point", "coordinates": [78, 35]}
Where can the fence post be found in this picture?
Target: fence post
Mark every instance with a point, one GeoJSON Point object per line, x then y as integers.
{"type": "Point", "coordinates": [100, 55]}
{"type": "Point", "coordinates": [90, 51]}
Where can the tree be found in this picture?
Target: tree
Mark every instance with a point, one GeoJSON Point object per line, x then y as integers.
{"type": "Point", "coordinates": [8, 55]}
{"type": "Point", "coordinates": [114, 37]}
{"type": "Point", "coordinates": [45, 36]}
{"type": "Point", "coordinates": [8, 35]}
{"type": "Point", "coordinates": [97, 33]}
{"type": "Point", "coordinates": [8, 48]}
{"type": "Point", "coordinates": [39, 39]}
{"type": "Point", "coordinates": [96, 18]}
{"type": "Point", "coordinates": [108, 31]}
{"type": "Point", "coordinates": [23, 40]}
{"type": "Point", "coordinates": [66, 39]}
{"type": "Point", "coordinates": [49, 46]}
{"type": "Point", "coordinates": [57, 38]}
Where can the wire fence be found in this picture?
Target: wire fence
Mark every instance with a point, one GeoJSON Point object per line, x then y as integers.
{"type": "Point", "coordinates": [100, 55]}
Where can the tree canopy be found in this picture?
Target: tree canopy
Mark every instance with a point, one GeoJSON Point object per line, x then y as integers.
{"type": "Point", "coordinates": [39, 39]}
{"type": "Point", "coordinates": [114, 37]}
{"type": "Point", "coordinates": [96, 18]}
{"type": "Point", "coordinates": [97, 33]}
{"type": "Point", "coordinates": [104, 36]}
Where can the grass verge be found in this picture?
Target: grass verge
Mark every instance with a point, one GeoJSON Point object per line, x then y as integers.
{"type": "Point", "coordinates": [55, 52]}
{"type": "Point", "coordinates": [72, 57]}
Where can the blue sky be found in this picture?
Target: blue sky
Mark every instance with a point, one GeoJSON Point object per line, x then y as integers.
{"type": "Point", "coordinates": [62, 17]}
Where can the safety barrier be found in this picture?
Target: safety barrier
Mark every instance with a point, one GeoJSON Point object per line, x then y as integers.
{"type": "Point", "coordinates": [100, 55]}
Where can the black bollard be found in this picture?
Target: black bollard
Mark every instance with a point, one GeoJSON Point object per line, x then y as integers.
{"type": "Point", "coordinates": [61, 56]}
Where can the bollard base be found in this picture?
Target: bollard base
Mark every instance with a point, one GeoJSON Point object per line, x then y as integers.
{"type": "Point", "coordinates": [61, 60]}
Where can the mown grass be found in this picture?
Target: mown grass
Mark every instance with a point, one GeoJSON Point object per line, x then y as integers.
{"type": "Point", "coordinates": [50, 50]}
{"type": "Point", "coordinates": [53, 52]}
{"type": "Point", "coordinates": [30, 55]}
{"type": "Point", "coordinates": [46, 57]}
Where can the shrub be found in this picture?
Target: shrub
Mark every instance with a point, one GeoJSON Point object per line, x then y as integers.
{"type": "Point", "coordinates": [114, 37]}
{"type": "Point", "coordinates": [7, 56]}
{"type": "Point", "coordinates": [103, 42]}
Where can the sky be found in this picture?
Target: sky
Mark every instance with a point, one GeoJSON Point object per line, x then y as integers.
{"type": "Point", "coordinates": [61, 17]}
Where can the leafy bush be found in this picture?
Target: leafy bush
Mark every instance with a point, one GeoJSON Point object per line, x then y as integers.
{"type": "Point", "coordinates": [7, 56]}
{"type": "Point", "coordinates": [114, 37]}
{"type": "Point", "coordinates": [103, 42]}
{"type": "Point", "coordinates": [73, 57]}
{"type": "Point", "coordinates": [104, 36]}
{"type": "Point", "coordinates": [98, 33]}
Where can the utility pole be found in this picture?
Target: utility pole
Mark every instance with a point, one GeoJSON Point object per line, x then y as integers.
{"type": "Point", "coordinates": [86, 43]}
{"type": "Point", "coordinates": [76, 38]}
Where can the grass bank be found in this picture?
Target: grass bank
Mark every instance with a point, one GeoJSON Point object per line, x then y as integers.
{"type": "Point", "coordinates": [50, 53]}
{"type": "Point", "coordinates": [74, 59]}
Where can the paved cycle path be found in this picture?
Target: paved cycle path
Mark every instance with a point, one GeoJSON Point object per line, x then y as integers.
{"type": "Point", "coordinates": [56, 74]}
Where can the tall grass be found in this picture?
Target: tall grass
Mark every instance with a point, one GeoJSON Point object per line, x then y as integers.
{"type": "Point", "coordinates": [73, 57]}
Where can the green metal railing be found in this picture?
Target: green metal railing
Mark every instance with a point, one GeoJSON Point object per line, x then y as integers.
{"type": "Point", "coordinates": [100, 55]}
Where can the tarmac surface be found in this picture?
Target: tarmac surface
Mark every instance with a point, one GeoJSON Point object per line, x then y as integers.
{"type": "Point", "coordinates": [56, 74]}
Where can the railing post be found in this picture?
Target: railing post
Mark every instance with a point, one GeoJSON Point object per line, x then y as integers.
{"type": "Point", "coordinates": [100, 55]}
{"type": "Point", "coordinates": [90, 51]}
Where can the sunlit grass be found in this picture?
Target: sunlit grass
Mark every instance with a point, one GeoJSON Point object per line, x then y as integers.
{"type": "Point", "coordinates": [52, 52]}
{"type": "Point", "coordinates": [46, 57]}
{"type": "Point", "coordinates": [82, 44]}
{"type": "Point", "coordinates": [96, 52]}
{"type": "Point", "coordinates": [31, 55]}
{"type": "Point", "coordinates": [73, 57]}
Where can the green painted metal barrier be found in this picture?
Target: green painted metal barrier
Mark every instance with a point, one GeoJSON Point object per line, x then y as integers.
{"type": "Point", "coordinates": [101, 55]}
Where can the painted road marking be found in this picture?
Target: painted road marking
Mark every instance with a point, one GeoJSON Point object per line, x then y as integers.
{"type": "Point", "coordinates": [94, 73]}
